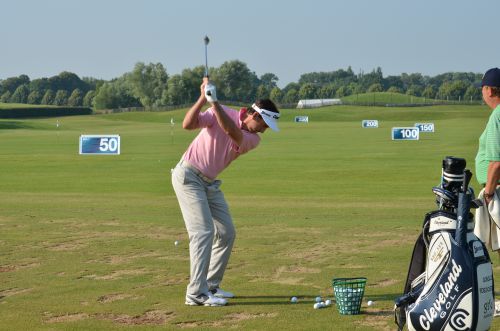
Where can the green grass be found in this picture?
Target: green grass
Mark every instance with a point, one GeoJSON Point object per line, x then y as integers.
{"type": "Point", "coordinates": [21, 105]}
{"type": "Point", "coordinates": [88, 242]}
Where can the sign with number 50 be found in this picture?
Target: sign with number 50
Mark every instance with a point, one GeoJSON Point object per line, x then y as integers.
{"type": "Point", "coordinates": [100, 144]}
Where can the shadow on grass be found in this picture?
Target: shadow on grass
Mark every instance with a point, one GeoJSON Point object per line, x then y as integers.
{"type": "Point", "coordinates": [265, 300]}
{"type": "Point", "coordinates": [274, 296]}
{"type": "Point", "coordinates": [309, 297]}
{"type": "Point", "coordinates": [12, 125]}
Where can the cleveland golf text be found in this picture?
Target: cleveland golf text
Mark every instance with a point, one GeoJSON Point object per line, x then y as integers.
{"type": "Point", "coordinates": [430, 315]}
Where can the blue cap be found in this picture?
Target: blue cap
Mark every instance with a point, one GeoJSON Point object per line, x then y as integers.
{"type": "Point", "coordinates": [491, 78]}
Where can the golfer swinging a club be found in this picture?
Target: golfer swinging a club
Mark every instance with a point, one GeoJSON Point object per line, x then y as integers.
{"type": "Point", "coordinates": [225, 135]}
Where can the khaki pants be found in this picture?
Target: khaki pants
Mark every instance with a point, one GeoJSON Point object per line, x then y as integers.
{"type": "Point", "coordinates": [209, 225]}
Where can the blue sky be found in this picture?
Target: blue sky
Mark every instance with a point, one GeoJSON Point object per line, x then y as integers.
{"type": "Point", "coordinates": [105, 38]}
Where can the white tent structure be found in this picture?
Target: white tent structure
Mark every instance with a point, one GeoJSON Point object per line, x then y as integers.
{"type": "Point", "coordinates": [314, 103]}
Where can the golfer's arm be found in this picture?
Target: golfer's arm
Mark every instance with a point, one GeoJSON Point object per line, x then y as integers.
{"type": "Point", "coordinates": [229, 127]}
{"type": "Point", "coordinates": [493, 176]}
{"type": "Point", "coordinates": [190, 121]}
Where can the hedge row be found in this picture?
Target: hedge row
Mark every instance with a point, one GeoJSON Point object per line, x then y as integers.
{"type": "Point", "coordinates": [43, 112]}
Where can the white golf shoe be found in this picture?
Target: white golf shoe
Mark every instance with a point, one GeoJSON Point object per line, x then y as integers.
{"type": "Point", "coordinates": [220, 293]}
{"type": "Point", "coordinates": [205, 299]}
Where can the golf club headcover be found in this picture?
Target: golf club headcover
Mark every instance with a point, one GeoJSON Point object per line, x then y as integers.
{"type": "Point", "coordinates": [210, 92]}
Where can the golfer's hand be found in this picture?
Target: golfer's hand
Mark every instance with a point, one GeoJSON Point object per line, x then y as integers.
{"type": "Point", "coordinates": [202, 89]}
{"type": "Point", "coordinates": [210, 92]}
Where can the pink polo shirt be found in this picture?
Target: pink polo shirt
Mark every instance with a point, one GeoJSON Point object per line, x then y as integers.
{"type": "Point", "coordinates": [213, 150]}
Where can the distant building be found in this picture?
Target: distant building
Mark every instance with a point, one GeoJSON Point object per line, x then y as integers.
{"type": "Point", "coordinates": [314, 103]}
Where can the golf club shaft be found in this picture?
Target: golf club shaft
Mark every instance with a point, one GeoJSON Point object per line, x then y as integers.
{"type": "Point", "coordinates": [206, 40]}
{"type": "Point", "coordinates": [206, 62]}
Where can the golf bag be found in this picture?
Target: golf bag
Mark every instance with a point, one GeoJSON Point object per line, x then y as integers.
{"type": "Point", "coordinates": [450, 278]}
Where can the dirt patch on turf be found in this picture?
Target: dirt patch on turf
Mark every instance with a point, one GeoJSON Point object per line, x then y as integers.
{"type": "Point", "coordinates": [247, 316]}
{"type": "Point", "coordinates": [66, 246]}
{"type": "Point", "coordinates": [26, 265]}
{"type": "Point", "coordinates": [13, 291]}
{"type": "Point", "coordinates": [309, 231]}
{"type": "Point", "coordinates": [150, 317]}
{"type": "Point", "coordinates": [352, 266]}
{"type": "Point", "coordinates": [290, 281]}
{"type": "Point", "coordinates": [309, 254]}
{"type": "Point", "coordinates": [228, 322]}
{"type": "Point", "coordinates": [287, 275]}
{"type": "Point", "coordinates": [321, 252]}
{"type": "Point", "coordinates": [377, 319]}
{"type": "Point", "coordinates": [386, 282]}
{"type": "Point", "coordinates": [172, 281]}
{"type": "Point", "coordinates": [281, 277]}
{"type": "Point", "coordinates": [119, 259]}
{"type": "Point", "coordinates": [115, 297]}
{"type": "Point", "coordinates": [7, 268]}
{"type": "Point", "coordinates": [67, 318]}
{"type": "Point", "coordinates": [112, 223]}
{"type": "Point", "coordinates": [117, 274]}
{"type": "Point", "coordinates": [302, 270]}
{"type": "Point", "coordinates": [384, 244]}
{"type": "Point", "coordinates": [371, 235]}
{"type": "Point", "coordinates": [162, 236]}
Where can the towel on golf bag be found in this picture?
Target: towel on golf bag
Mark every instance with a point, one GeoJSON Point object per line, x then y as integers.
{"type": "Point", "coordinates": [487, 221]}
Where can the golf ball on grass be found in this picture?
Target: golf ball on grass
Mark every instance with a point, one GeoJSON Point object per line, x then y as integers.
{"type": "Point", "coordinates": [176, 243]}
{"type": "Point", "coordinates": [294, 300]}
{"type": "Point", "coordinates": [369, 303]}
{"type": "Point", "coordinates": [328, 302]}
{"type": "Point", "coordinates": [319, 305]}
{"type": "Point", "coordinates": [318, 299]}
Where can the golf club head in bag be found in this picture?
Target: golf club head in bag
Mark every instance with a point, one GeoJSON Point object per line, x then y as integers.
{"type": "Point", "coordinates": [452, 177]}
{"type": "Point", "coordinates": [455, 289]}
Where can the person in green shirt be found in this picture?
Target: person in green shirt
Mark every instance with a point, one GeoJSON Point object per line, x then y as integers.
{"type": "Point", "coordinates": [488, 155]}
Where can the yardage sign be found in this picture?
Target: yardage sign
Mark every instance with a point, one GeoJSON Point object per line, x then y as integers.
{"type": "Point", "coordinates": [303, 119]}
{"type": "Point", "coordinates": [406, 133]}
{"type": "Point", "coordinates": [100, 144]}
{"type": "Point", "coordinates": [369, 123]}
{"type": "Point", "coordinates": [425, 127]}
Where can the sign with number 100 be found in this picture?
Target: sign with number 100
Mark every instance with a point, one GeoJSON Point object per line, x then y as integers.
{"type": "Point", "coordinates": [100, 144]}
{"type": "Point", "coordinates": [406, 133]}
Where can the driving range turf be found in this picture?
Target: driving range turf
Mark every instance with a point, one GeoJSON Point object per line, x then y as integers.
{"type": "Point", "coordinates": [87, 242]}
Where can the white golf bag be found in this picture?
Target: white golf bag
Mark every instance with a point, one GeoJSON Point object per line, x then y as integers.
{"type": "Point", "coordinates": [450, 279]}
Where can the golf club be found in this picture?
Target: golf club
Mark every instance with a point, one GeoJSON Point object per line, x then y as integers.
{"type": "Point", "coordinates": [206, 61]}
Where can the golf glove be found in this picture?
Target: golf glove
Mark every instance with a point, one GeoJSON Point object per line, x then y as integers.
{"type": "Point", "coordinates": [210, 92]}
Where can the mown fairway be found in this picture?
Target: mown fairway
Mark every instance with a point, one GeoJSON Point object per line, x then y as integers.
{"type": "Point", "coordinates": [87, 242]}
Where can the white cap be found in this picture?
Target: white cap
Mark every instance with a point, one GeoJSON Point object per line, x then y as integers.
{"type": "Point", "coordinates": [270, 117]}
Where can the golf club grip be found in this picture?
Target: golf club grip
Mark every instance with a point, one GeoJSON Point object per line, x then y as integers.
{"type": "Point", "coordinates": [467, 178]}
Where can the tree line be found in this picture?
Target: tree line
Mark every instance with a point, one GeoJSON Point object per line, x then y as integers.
{"type": "Point", "coordinates": [149, 85]}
